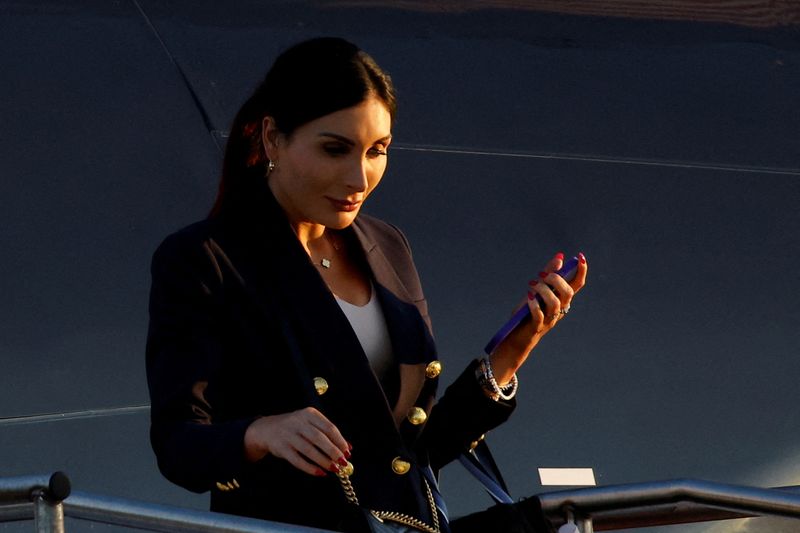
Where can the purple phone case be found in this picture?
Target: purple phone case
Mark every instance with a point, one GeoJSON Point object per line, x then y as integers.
{"type": "Point", "coordinates": [567, 272]}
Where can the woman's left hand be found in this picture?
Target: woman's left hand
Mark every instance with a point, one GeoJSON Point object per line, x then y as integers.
{"type": "Point", "coordinates": [557, 295]}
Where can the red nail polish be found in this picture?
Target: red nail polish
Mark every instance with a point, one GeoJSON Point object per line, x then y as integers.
{"type": "Point", "coordinates": [320, 473]}
{"type": "Point", "coordinates": [347, 454]}
{"type": "Point", "coordinates": [542, 275]}
{"type": "Point", "coordinates": [530, 295]}
{"type": "Point", "coordinates": [342, 461]}
{"type": "Point", "coordinates": [334, 468]}
{"type": "Point", "coordinates": [582, 258]}
{"type": "Point", "coordinates": [533, 282]}
{"type": "Point", "coordinates": [350, 446]}
{"type": "Point", "coordinates": [560, 255]}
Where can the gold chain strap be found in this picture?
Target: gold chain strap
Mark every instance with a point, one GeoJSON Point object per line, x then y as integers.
{"type": "Point", "coordinates": [347, 486]}
{"type": "Point", "coordinates": [392, 516]}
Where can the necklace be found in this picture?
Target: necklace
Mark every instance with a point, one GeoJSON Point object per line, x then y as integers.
{"type": "Point", "coordinates": [325, 262]}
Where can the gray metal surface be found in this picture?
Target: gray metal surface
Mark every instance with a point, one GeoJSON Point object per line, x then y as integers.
{"type": "Point", "coordinates": [47, 499]}
{"type": "Point", "coordinates": [153, 517]}
{"type": "Point", "coordinates": [39, 496]}
{"type": "Point", "coordinates": [48, 517]}
{"type": "Point", "coordinates": [666, 151]}
{"type": "Point", "coordinates": [677, 501]}
{"type": "Point", "coordinates": [15, 512]}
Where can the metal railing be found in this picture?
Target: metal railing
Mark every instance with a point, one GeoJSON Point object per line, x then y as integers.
{"type": "Point", "coordinates": [37, 497]}
{"type": "Point", "coordinates": [48, 499]}
{"type": "Point", "coordinates": [659, 503]}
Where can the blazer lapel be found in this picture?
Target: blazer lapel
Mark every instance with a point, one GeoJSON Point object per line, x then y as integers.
{"type": "Point", "coordinates": [283, 282]}
{"type": "Point", "coordinates": [403, 322]}
{"type": "Point", "coordinates": [382, 270]}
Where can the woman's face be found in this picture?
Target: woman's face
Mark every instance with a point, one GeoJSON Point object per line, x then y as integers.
{"type": "Point", "coordinates": [327, 167]}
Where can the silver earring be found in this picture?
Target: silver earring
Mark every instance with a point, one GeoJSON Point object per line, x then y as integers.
{"type": "Point", "coordinates": [270, 167]}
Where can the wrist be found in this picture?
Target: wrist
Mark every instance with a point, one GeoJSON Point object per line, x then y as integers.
{"type": "Point", "coordinates": [488, 382]}
{"type": "Point", "coordinates": [504, 367]}
{"type": "Point", "coordinates": [254, 447]}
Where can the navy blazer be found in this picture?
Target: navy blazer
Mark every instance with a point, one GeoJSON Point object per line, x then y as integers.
{"type": "Point", "coordinates": [241, 324]}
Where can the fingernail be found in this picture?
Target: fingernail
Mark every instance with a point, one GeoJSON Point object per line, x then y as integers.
{"type": "Point", "coordinates": [334, 468]}
{"type": "Point", "coordinates": [349, 446]}
{"type": "Point", "coordinates": [347, 454]}
{"type": "Point", "coordinates": [320, 473]}
{"type": "Point", "coordinates": [530, 295]}
{"type": "Point", "coordinates": [560, 255]}
{"type": "Point", "coordinates": [533, 282]}
{"type": "Point", "coordinates": [582, 258]}
{"type": "Point", "coordinates": [542, 275]}
{"type": "Point", "coordinates": [342, 461]}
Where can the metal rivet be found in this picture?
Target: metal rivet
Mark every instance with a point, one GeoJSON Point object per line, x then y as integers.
{"type": "Point", "coordinates": [320, 385]}
{"type": "Point", "coordinates": [433, 369]}
{"type": "Point", "coordinates": [347, 470]}
{"type": "Point", "coordinates": [400, 466]}
{"type": "Point", "coordinates": [417, 416]}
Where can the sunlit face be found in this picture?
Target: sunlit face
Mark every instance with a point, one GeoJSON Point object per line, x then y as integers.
{"type": "Point", "coordinates": [327, 167]}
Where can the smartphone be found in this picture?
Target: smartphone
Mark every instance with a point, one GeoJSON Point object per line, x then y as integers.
{"type": "Point", "coordinates": [567, 272]}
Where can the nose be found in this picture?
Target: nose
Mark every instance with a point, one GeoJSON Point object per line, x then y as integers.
{"type": "Point", "coordinates": [357, 177]}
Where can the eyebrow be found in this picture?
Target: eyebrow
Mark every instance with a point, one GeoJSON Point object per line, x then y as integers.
{"type": "Point", "coordinates": [350, 142]}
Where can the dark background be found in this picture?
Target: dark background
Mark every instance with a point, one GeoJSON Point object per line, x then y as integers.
{"type": "Point", "coordinates": [668, 151]}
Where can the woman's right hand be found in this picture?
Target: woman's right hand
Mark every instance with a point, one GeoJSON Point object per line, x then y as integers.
{"type": "Point", "coordinates": [305, 438]}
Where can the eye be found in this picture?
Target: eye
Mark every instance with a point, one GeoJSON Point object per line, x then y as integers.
{"type": "Point", "coordinates": [377, 151]}
{"type": "Point", "coordinates": [336, 149]}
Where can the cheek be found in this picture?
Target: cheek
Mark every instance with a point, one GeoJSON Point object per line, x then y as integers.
{"type": "Point", "coordinates": [377, 174]}
{"type": "Point", "coordinates": [307, 175]}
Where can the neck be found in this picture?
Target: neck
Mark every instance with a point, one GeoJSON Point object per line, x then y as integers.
{"type": "Point", "coordinates": [309, 234]}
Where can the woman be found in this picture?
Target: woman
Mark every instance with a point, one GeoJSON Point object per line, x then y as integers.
{"type": "Point", "coordinates": [290, 362]}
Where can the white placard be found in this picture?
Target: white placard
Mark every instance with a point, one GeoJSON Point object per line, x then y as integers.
{"type": "Point", "coordinates": [567, 476]}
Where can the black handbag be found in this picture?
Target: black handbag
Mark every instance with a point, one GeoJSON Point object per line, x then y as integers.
{"type": "Point", "coordinates": [506, 516]}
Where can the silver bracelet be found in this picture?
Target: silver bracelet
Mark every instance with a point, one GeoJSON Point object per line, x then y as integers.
{"type": "Point", "coordinates": [489, 383]}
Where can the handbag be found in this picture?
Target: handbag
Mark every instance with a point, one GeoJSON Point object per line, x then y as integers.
{"type": "Point", "coordinates": [392, 521]}
{"type": "Point", "coordinates": [507, 516]}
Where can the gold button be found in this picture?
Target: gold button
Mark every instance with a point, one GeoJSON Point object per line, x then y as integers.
{"type": "Point", "coordinates": [417, 415]}
{"type": "Point", "coordinates": [399, 466]}
{"type": "Point", "coordinates": [321, 385]}
{"type": "Point", "coordinates": [347, 470]}
{"type": "Point", "coordinates": [433, 369]}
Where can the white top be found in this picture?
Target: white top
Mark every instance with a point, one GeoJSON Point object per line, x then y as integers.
{"type": "Point", "coordinates": [369, 325]}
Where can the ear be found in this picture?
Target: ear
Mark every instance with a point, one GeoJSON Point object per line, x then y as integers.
{"type": "Point", "coordinates": [270, 137]}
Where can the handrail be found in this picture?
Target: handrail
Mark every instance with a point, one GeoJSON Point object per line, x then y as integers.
{"type": "Point", "coordinates": [22, 489]}
{"type": "Point", "coordinates": [47, 499]}
{"type": "Point", "coordinates": [45, 492]}
{"type": "Point", "coordinates": [666, 502]}
{"type": "Point", "coordinates": [156, 517]}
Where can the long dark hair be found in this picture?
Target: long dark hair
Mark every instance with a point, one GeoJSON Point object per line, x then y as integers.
{"type": "Point", "coordinates": [309, 80]}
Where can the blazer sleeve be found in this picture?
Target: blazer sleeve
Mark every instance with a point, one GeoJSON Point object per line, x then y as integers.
{"type": "Point", "coordinates": [462, 416]}
{"type": "Point", "coordinates": [184, 349]}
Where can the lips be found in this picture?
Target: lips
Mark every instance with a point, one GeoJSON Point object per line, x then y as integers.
{"type": "Point", "coordinates": [345, 205]}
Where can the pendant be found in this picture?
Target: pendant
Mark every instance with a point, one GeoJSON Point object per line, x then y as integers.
{"type": "Point", "coordinates": [326, 263]}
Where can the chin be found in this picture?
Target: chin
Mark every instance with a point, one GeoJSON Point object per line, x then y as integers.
{"type": "Point", "coordinates": [341, 220]}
